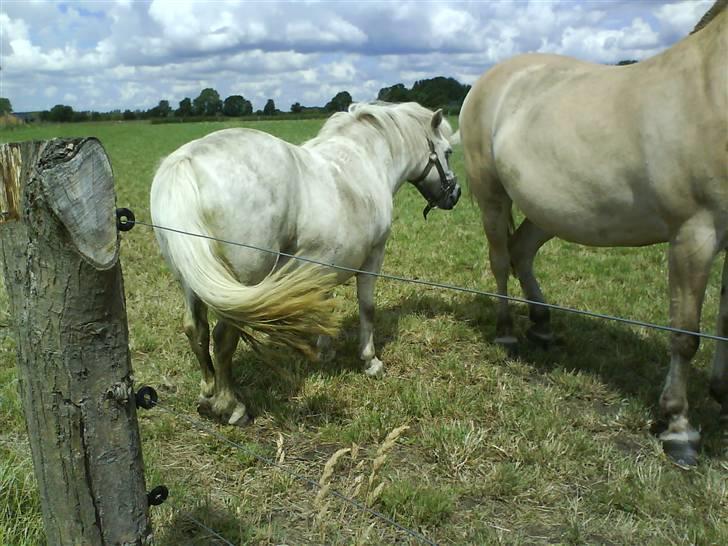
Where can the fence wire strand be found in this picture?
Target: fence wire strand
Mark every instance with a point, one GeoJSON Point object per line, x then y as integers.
{"type": "Point", "coordinates": [313, 483]}
{"type": "Point", "coordinates": [430, 284]}
{"type": "Point", "coordinates": [444, 286]}
{"type": "Point", "coordinates": [204, 527]}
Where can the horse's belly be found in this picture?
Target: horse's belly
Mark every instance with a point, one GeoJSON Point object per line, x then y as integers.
{"type": "Point", "coordinates": [588, 228]}
{"type": "Point", "coordinates": [591, 202]}
{"type": "Point", "coordinates": [599, 224]}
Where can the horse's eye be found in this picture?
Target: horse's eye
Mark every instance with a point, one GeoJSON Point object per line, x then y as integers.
{"type": "Point", "coordinates": [448, 153]}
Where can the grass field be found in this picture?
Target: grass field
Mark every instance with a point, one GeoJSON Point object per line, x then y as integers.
{"type": "Point", "coordinates": [551, 447]}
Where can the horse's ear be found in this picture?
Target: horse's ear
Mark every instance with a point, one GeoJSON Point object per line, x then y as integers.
{"type": "Point", "coordinates": [437, 118]}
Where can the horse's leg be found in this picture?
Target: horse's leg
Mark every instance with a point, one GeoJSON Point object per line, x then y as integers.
{"type": "Point", "coordinates": [197, 329]}
{"type": "Point", "coordinates": [365, 294]}
{"type": "Point", "coordinates": [719, 376]}
{"type": "Point", "coordinates": [496, 218]}
{"type": "Point", "coordinates": [690, 256]}
{"type": "Point", "coordinates": [225, 405]}
{"type": "Point", "coordinates": [325, 346]}
{"type": "Point", "coordinates": [523, 246]}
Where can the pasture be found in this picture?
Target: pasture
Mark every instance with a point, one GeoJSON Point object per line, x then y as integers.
{"type": "Point", "coordinates": [549, 447]}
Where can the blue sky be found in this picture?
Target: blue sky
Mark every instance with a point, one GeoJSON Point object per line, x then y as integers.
{"type": "Point", "coordinates": [103, 55]}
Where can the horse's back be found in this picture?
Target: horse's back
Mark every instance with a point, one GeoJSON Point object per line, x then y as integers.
{"type": "Point", "coordinates": [600, 154]}
{"type": "Point", "coordinates": [251, 187]}
{"type": "Point", "coordinates": [238, 182]}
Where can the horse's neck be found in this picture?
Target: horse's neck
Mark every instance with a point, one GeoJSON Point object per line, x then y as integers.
{"type": "Point", "coordinates": [374, 154]}
{"type": "Point", "coordinates": [698, 45]}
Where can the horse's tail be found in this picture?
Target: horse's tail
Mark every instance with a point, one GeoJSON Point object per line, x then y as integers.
{"type": "Point", "coordinates": [288, 305]}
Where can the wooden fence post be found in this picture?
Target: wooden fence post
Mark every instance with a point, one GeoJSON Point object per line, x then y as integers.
{"type": "Point", "coordinates": [60, 253]}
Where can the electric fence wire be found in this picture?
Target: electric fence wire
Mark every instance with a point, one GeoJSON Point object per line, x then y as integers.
{"type": "Point", "coordinates": [444, 286]}
{"type": "Point", "coordinates": [430, 284]}
{"type": "Point", "coordinates": [204, 527]}
{"type": "Point", "coordinates": [271, 462]}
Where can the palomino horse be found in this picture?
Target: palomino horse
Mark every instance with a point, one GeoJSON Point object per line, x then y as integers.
{"type": "Point", "coordinates": [329, 200]}
{"type": "Point", "coordinates": [611, 156]}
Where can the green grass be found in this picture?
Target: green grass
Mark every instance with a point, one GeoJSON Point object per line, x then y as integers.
{"type": "Point", "coordinates": [552, 447]}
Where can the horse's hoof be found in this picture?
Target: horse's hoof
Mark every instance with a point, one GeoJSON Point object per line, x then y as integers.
{"type": "Point", "coordinates": [240, 417]}
{"type": "Point", "coordinates": [681, 453]}
{"type": "Point", "coordinates": [541, 339]}
{"type": "Point", "coordinates": [204, 407]}
{"type": "Point", "coordinates": [509, 345]}
{"type": "Point", "coordinates": [375, 369]}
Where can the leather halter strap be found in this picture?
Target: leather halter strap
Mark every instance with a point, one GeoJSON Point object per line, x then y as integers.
{"type": "Point", "coordinates": [446, 184]}
{"type": "Point", "coordinates": [433, 161]}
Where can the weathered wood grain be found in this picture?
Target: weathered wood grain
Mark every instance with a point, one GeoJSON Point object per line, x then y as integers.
{"type": "Point", "coordinates": [64, 280]}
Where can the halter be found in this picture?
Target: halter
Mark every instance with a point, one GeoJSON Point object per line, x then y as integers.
{"type": "Point", "coordinates": [446, 184]}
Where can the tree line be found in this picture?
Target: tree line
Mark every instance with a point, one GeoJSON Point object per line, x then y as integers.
{"type": "Point", "coordinates": [439, 92]}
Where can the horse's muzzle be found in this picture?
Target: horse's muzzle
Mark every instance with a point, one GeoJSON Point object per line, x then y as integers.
{"type": "Point", "coordinates": [451, 199]}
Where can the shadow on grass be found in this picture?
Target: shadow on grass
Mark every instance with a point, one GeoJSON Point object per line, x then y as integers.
{"type": "Point", "coordinates": [269, 382]}
{"type": "Point", "coordinates": [183, 529]}
{"type": "Point", "coordinates": [629, 360]}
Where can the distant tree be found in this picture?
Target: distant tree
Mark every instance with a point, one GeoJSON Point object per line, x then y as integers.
{"type": "Point", "coordinates": [128, 115]}
{"type": "Point", "coordinates": [237, 105]}
{"type": "Point", "coordinates": [162, 110]}
{"type": "Point", "coordinates": [96, 116]}
{"type": "Point", "coordinates": [439, 92]}
{"type": "Point", "coordinates": [626, 62]}
{"type": "Point", "coordinates": [208, 103]}
{"type": "Point", "coordinates": [296, 108]}
{"type": "Point", "coordinates": [5, 106]}
{"type": "Point", "coordinates": [313, 110]}
{"type": "Point", "coordinates": [80, 116]}
{"type": "Point", "coordinates": [60, 113]}
{"type": "Point", "coordinates": [185, 108]}
{"type": "Point", "coordinates": [339, 103]}
{"type": "Point", "coordinates": [270, 108]}
{"type": "Point", "coordinates": [396, 93]}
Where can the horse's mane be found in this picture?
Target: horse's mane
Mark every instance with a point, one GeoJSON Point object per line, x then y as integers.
{"type": "Point", "coordinates": [711, 14]}
{"type": "Point", "coordinates": [389, 119]}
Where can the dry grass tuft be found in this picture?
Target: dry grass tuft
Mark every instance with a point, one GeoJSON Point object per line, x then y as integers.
{"type": "Point", "coordinates": [325, 483]}
{"type": "Point", "coordinates": [373, 492]}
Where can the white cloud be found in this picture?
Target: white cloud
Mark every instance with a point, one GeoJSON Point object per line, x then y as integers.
{"type": "Point", "coordinates": [638, 36]}
{"type": "Point", "coordinates": [452, 26]}
{"type": "Point", "coordinates": [342, 72]}
{"type": "Point", "coordinates": [609, 46]}
{"type": "Point", "coordinates": [13, 29]}
{"type": "Point", "coordinates": [308, 76]}
{"type": "Point", "coordinates": [129, 54]}
{"type": "Point", "coordinates": [334, 31]}
{"type": "Point", "coordinates": [682, 16]}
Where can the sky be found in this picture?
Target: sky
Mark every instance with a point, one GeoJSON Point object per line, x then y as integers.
{"type": "Point", "coordinates": [124, 54]}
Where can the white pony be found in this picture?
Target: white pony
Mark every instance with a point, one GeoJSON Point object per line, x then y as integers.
{"type": "Point", "coordinates": [329, 200]}
{"type": "Point", "coordinates": [611, 156]}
